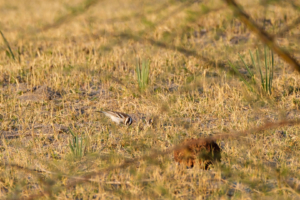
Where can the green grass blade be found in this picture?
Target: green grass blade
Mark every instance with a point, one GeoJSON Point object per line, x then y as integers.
{"type": "Point", "coordinates": [143, 74]}
{"type": "Point", "coordinates": [248, 69]}
{"type": "Point", "coordinates": [71, 146]}
{"type": "Point", "coordinates": [81, 142]}
{"type": "Point", "coordinates": [266, 70]}
{"type": "Point", "coordinates": [252, 59]}
{"type": "Point", "coordinates": [77, 146]}
{"type": "Point", "coordinates": [138, 72]}
{"type": "Point", "coordinates": [259, 68]}
{"type": "Point", "coordinates": [8, 46]}
{"type": "Point", "coordinates": [241, 77]}
{"type": "Point", "coordinates": [272, 72]}
{"type": "Point", "coordinates": [253, 63]}
{"type": "Point", "coordinates": [72, 133]}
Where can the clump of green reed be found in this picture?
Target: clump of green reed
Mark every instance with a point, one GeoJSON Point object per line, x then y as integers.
{"type": "Point", "coordinates": [266, 77]}
{"type": "Point", "coordinates": [77, 144]}
{"type": "Point", "coordinates": [142, 71]}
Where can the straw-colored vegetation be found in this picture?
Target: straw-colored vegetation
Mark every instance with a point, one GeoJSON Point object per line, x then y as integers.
{"type": "Point", "coordinates": [62, 60]}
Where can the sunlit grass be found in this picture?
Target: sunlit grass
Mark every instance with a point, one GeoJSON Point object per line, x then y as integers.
{"type": "Point", "coordinates": [77, 57]}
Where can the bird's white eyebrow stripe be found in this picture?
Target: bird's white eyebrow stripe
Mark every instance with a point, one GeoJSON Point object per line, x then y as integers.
{"type": "Point", "coordinates": [120, 115]}
{"type": "Point", "coordinates": [116, 114]}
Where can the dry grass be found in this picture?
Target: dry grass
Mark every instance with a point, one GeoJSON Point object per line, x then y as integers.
{"type": "Point", "coordinates": [72, 58]}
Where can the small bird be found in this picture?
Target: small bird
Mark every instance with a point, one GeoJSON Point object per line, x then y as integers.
{"type": "Point", "coordinates": [118, 117]}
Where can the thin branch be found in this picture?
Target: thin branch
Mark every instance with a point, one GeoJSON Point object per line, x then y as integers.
{"type": "Point", "coordinates": [263, 35]}
{"type": "Point", "coordinates": [156, 154]}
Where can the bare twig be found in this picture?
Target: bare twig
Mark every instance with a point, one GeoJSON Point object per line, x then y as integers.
{"type": "Point", "coordinates": [263, 35]}
{"type": "Point", "coordinates": [156, 154]}
{"type": "Point", "coordinates": [35, 172]}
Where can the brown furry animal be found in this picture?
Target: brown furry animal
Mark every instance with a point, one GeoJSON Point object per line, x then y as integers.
{"type": "Point", "coordinates": [205, 151]}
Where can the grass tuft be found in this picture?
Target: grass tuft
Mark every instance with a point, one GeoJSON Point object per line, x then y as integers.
{"type": "Point", "coordinates": [142, 72]}
{"type": "Point", "coordinates": [87, 50]}
{"type": "Point", "coordinates": [77, 144]}
{"type": "Point", "coordinates": [266, 77]}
